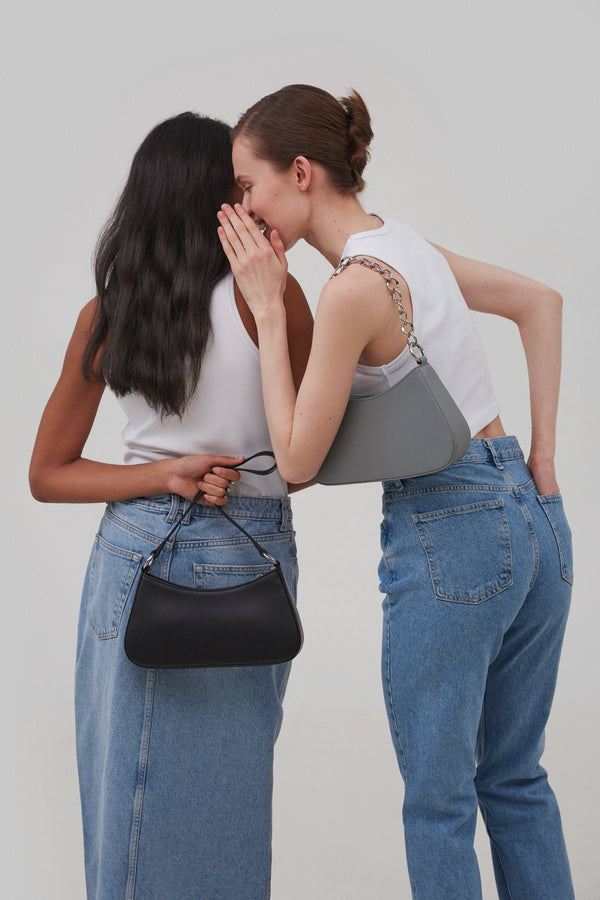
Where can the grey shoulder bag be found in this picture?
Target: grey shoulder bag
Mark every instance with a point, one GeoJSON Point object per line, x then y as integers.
{"type": "Point", "coordinates": [414, 428]}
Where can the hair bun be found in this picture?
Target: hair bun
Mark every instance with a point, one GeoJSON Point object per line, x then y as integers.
{"type": "Point", "coordinates": [360, 134]}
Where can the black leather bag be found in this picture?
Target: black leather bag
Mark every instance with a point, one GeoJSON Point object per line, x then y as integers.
{"type": "Point", "coordinates": [251, 624]}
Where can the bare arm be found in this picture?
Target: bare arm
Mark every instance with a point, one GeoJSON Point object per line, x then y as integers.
{"type": "Point", "coordinates": [303, 422]}
{"type": "Point", "coordinates": [58, 473]}
{"type": "Point", "coordinates": [537, 311]}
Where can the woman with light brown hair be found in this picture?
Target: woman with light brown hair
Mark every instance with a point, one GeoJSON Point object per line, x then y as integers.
{"type": "Point", "coordinates": [476, 562]}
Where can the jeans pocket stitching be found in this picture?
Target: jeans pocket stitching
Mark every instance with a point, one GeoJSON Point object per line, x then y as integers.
{"type": "Point", "coordinates": [126, 583]}
{"type": "Point", "coordinates": [201, 570]}
{"type": "Point", "coordinates": [546, 501]}
{"type": "Point", "coordinates": [502, 581]}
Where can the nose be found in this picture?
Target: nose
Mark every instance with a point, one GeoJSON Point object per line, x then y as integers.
{"type": "Point", "coordinates": [246, 203]}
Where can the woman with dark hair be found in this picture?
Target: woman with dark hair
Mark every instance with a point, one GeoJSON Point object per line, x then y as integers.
{"type": "Point", "coordinates": [175, 766]}
{"type": "Point", "coordinates": [477, 565]}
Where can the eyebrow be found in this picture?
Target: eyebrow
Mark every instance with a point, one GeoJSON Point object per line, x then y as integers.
{"type": "Point", "coordinates": [242, 178]}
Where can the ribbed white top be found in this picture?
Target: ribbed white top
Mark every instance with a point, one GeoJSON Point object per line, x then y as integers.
{"type": "Point", "coordinates": [226, 415]}
{"type": "Point", "coordinates": [443, 323]}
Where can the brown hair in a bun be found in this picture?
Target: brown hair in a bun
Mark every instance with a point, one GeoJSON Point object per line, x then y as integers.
{"type": "Point", "coordinates": [360, 134]}
{"type": "Point", "coordinates": [302, 120]}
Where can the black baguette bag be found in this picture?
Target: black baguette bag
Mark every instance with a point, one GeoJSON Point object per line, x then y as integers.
{"type": "Point", "coordinates": [252, 624]}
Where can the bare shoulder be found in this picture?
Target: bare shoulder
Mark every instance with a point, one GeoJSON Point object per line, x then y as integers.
{"type": "Point", "coordinates": [358, 286]}
{"type": "Point", "coordinates": [296, 305]}
{"type": "Point", "coordinates": [293, 296]}
{"type": "Point", "coordinates": [86, 320]}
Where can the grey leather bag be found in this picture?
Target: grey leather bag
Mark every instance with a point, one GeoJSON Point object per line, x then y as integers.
{"type": "Point", "coordinates": [414, 428]}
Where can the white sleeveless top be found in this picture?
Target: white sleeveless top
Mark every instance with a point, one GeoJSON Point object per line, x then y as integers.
{"type": "Point", "coordinates": [226, 415]}
{"type": "Point", "coordinates": [443, 323]}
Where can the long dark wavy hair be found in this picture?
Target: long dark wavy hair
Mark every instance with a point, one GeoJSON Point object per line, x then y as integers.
{"type": "Point", "coordinates": [157, 262]}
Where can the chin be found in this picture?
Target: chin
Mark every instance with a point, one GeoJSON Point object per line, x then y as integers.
{"type": "Point", "coordinates": [288, 244]}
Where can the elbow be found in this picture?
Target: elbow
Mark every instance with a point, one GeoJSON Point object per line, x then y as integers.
{"type": "Point", "coordinates": [555, 299]}
{"type": "Point", "coordinates": [545, 305]}
{"type": "Point", "coordinates": [37, 492]}
{"type": "Point", "coordinates": [553, 305]}
{"type": "Point", "coordinates": [38, 485]}
{"type": "Point", "coordinates": [297, 472]}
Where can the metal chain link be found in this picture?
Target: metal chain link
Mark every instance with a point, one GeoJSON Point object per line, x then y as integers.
{"type": "Point", "coordinates": [392, 284]}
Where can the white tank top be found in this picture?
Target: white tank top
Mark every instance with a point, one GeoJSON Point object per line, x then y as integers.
{"type": "Point", "coordinates": [443, 323]}
{"type": "Point", "coordinates": [226, 415]}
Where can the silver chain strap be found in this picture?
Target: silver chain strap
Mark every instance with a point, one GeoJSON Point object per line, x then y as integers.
{"type": "Point", "coordinates": [393, 286]}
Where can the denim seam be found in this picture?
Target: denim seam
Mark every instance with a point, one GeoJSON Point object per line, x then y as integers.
{"type": "Point", "coordinates": [118, 551]}
{"type": "Point", "coordinates": [484, 809]}
{"type": "Point", "coordinates": [190, 545]}
{"type": "Point", "coordinates": [497, 849]}
{"type": "Point", "coordinates": [390, 696]}
{"type": "Point", "coordinates": [534, 543]}
{"type": "Point", "coordinates": [450, 510]}
{"type": "Point", "coordinates": [139, 794]}
{"type": "Point", "coordinates": [412, 492]}
{"type": "Point", "coordinates": [201, 569]}
{"type": "Point", "coordinates": [162, 509]}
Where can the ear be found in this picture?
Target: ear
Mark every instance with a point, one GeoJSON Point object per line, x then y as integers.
{"type": "Point", "coordinates": [303, 172]}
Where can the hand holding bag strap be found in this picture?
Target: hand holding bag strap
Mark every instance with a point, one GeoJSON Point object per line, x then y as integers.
{"type": "Point", "coordinates": [240, 467]}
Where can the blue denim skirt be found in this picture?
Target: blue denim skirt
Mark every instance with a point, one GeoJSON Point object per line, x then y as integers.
{"type": "Point", "coordinates": [176, 766]}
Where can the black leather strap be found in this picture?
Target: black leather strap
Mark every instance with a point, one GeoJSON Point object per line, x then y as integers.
{"type": "Point", "coordinates": [240, 467]}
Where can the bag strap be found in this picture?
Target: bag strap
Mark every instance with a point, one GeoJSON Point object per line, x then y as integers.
{"type": "Point", "coordinates": [240, 467]}
{"type": "Point", "coordinates": [393, 285]}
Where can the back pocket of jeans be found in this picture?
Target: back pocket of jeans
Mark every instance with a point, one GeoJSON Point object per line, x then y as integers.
{"type": "Point", "coordinates": [468, 550]}
{"type": "Point", "coordinates": [553, 507]}
{"type": "Point", "coordinates": [211, 577]}
{"type": "Point", "coordinates": [112, 573]}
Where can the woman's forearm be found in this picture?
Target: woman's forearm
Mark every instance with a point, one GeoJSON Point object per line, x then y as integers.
{"type": "Point", "coordinates": [279, 392]}
{"type": "Point", "coordinates": [87, 481]}
{"type": "Point", "coordinates": [540, 327]}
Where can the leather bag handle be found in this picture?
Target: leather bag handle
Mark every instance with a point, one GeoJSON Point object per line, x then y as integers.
{"type": "Point", "coordinates": [240, 467]}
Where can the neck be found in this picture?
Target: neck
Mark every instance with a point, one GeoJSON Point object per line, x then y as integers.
{"type": "Point", "coordinates": [333, 221]}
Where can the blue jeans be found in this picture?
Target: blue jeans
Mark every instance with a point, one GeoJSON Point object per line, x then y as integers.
{"type": "Point", "coordinates": [176, 766]}
{"type": "Point", "coordinates": [477, 571]}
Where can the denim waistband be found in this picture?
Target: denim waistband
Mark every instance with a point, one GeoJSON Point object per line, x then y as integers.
{"type": "Point", "coordinates": [492, 449]}
{"type": "Point", "coordinates": [491, 456]}
{"type": "Point", "coordinates": [171, 506]}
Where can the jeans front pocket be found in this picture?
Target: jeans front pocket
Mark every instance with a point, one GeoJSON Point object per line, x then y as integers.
{"type": "Point", "coordinates": [112, 573]}
{"type": "Point", "coordinates": [552, 505]}
{"type": "Point", "coordinates": [468, 550]}
{"type": "Point", "coordinates": [208, 577]}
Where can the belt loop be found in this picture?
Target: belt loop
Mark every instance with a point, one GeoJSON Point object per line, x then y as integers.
{"type": "Point", "coordinates": [172, 515]}
{"type": "Point", "coordinates": [493, 454]}
{"type": "Point", "coordinates": [285, 513]}
{"type": "Point", "coordinates": [176, 503]}
{"type": "Point", "coordinates": [188, 516]}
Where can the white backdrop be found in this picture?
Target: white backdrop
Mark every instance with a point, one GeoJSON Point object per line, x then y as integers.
{"type": "Point", "coordinates": [486, 141]}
